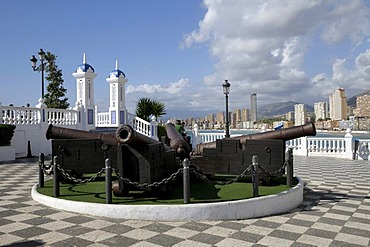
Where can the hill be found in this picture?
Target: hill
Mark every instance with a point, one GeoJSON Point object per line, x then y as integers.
{"type": "Point", "coordinates": [352, 101]}
{"type": "Point", "coordinates": [280, 108]}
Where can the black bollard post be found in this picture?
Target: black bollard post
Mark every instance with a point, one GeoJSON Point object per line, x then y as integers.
{"type": "Point", "coordinates": [29, 153]}
{"type": "Point", "coordinates": [41, 171]}
{"type": "Point", "coordinates": [186, 180]}
{"type": "Point", "coordinates": [56, 189]}
{"type": "Point", "coordinates": [255, 175]}
{"type": "Point", "coordinates": [108, 182]}
{"type": "Point", "coordinates": [289, 167]}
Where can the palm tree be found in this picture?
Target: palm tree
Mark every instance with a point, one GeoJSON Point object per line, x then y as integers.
{"type": "Point", "coordinates": [146, 107]}
{"type": "Point", "coordinates": [158, 108]}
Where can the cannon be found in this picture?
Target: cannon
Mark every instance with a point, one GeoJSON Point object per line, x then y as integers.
{"type": "Point", "coordinates": [177, 141]}
{"type": "Point", "coordinates": [234, 155]}
{"type": "Point", "coordinates": [134, 156]}
{"type": "Point", "coordinates": [307, 129]}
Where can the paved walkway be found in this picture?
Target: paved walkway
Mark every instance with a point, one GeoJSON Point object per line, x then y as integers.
{"type": "Point", "coordinates": [335, 212]}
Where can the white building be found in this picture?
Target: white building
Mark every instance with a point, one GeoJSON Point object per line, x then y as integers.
{"type": "Point", "coordinates": [338, 105]}
{"type": "Point", "coordinates": [253, 110]}
{"type": "Point", "coordinates": [300, 114]}
{"type": "Point", "coordinates": [320, 110]}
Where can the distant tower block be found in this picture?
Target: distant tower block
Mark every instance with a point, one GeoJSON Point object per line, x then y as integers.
{"type": "Point", "coordinates": [253, 110]}
{"type": "Point", "coordinates": [85, 75]}
{"type": "Point", "coordinates": [117, 107]}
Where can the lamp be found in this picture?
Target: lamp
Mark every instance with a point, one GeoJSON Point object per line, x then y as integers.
{"type": "Point", "coordinates": [226, 88]}
{"type": "Point", "coordinates": [41, 68]}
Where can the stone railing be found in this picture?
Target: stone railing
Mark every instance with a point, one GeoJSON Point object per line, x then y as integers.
{"type": "Point", "coordinates": [20, 115]}
{"type": "Point", "coordinates": [102, 119]}
{"type": "Point", "coordinates": [144, 127]}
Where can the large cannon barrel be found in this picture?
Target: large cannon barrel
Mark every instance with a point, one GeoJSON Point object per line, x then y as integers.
{"type": "Point", "coordinates": [54, 132]}
{"type": "Point", "coordinates": [307, 129]}
{"type": "Point", "coordinates": [177, 141]}
{"type": "Point", "coordinates": [127, 135]}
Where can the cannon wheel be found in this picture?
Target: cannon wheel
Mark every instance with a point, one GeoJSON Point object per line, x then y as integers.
{"type": "Point", "coordinates": [118, 192]}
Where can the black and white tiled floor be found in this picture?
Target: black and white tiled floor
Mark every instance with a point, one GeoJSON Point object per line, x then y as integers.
{"type": "Point", "coordinates": [335, 212]}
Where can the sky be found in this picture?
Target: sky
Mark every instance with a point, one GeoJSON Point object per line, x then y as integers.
{"type": "Point", "coordinates": [180, 52]}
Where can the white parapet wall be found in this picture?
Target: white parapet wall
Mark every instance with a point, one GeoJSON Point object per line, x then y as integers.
{"type": "Point", "coordinates": [7, 153]}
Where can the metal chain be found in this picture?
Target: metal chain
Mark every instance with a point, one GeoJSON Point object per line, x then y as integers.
{"type": "Point", "coordinates": [47, 170]}
{"type": "Point", "coordinates": [271, 174]}
{"type": "Point", "coordinates": [147, 185]}
{"type": "Point", "coordinates": [203, 177]}
{"type": "Point", "coordinates": [70, 177]}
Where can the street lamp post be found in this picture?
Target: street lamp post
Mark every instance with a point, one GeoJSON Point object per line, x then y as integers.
{"type": "Point", "coordinates": [226, 88]}
{"type": "Point", "coordinates": [41, 68]}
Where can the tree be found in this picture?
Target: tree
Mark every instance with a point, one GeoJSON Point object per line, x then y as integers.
{"type": "Point", "coordinates": [55, 96]}
{"type": "Point", "coordinates": [146, 107]}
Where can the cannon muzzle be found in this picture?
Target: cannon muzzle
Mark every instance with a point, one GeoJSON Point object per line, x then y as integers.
{"type": "Point", "coordinates": [127, 135]}
{"type": "Point", "coordinates": [307, 129]}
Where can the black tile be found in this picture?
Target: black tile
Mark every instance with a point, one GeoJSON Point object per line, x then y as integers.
{"type": "Point", "coordinates": [157, 227]}
{"type": "Point", "coordinates": [164, 240]}
{"type": "Point", "coordinates": [321, 233]}
{"type": "Point", "coordinates": [78, 219]}
{"type": "Point", "coordinates": [206, 238]}
{"type": "Point", "coordinates": [30, 232]}
{"type": "Point", "coordinates": [267, 224]}
{"type": "Point", "coordinates": [336, 243]}
{"type": "Point", "coordinates": [298, 222]}
{"type": "Point", "coordinates": [246, 236]}
{"type": "Point", "coordinates": [332, 221]}
{"type": "Point", "coordinates": [196, 226]}
{"type": "Point", "coordinates": [232, 225]}
{"type": "Point", "coordinates": [355, 231]}
{"type": "Point", "coordinates": [73, 241]}
{"type": "Point", "coordinates": [285, 235]}
{"type": "Point", "coordinates": [119, 241]}
{"type": "Point", "coordinates": [75, 230]}
{"type": "Point", "coordinates": [117, 229]}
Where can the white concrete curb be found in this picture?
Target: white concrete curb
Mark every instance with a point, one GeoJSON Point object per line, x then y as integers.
{"type": "Point", "coordinates": [232, 210]}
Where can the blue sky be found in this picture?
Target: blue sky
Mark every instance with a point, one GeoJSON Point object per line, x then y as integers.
{"type": "Point", "coordinates": [180, 51]}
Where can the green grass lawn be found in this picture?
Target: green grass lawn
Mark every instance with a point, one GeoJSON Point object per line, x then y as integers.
{"type": "Point", "coordinates": [199, 192]}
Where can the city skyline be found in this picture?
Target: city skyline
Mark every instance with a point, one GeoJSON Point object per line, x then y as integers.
{"type": "Point", "coordinates": [181, 52]}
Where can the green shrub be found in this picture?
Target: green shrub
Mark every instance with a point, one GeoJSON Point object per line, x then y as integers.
{"type": "Point", "coordinates": [161, 131]}
{"type": "Point", "coordinates": [6, 134]}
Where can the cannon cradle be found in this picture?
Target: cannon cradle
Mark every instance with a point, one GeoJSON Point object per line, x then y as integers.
{"type": "Point", "coordinates": [234, 155]}
{"type": "Point", "coordinates": [136, 157]}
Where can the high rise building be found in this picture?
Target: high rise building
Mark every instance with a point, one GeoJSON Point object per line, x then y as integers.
{"type": "Point", "coordinates": [363, 106]}
{"type": "Point", "coordinates": [245, 115]}
{"type": "Point", "coordinates": [338, 105]}
{"type": "Point", "coordinates": [220, 118]}
{"type": "Point", "coordinates": [300, 114]}
{"type": "Point", "coordinates": [320, 110]}
{"type": "Point", "coordinates": [253, 109]}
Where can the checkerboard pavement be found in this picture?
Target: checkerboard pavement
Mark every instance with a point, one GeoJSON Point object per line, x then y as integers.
{"type": "Point", "coordinates": [335, 212]}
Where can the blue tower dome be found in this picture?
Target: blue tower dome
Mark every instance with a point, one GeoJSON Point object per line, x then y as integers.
{"type": "Point", "coordinates": [85, 67]}
{"type": "Point", "coordinates": [117, 73]}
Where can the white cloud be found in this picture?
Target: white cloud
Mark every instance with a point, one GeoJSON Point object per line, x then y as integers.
{"type": "Point", "coordinates": [261, 46]}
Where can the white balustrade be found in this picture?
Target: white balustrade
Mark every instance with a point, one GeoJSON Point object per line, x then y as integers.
{"type": "Point", "coordinates": [103, 119]}
{"type": "Point", "coordinates": [61, 116]}
{"type": "Point", "coordinates": [19, 115]}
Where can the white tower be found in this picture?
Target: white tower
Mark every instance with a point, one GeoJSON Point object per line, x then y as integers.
{"type": "Point", "coordinates": [85, 75]}
{"type": "Point", "coordinates": [117, 107]}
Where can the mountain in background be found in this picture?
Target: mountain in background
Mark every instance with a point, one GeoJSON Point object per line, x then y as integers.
{"type": "Point", "coordinates": [352, 101]}
{"type": "Point", "coordinates": [280, 108]}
